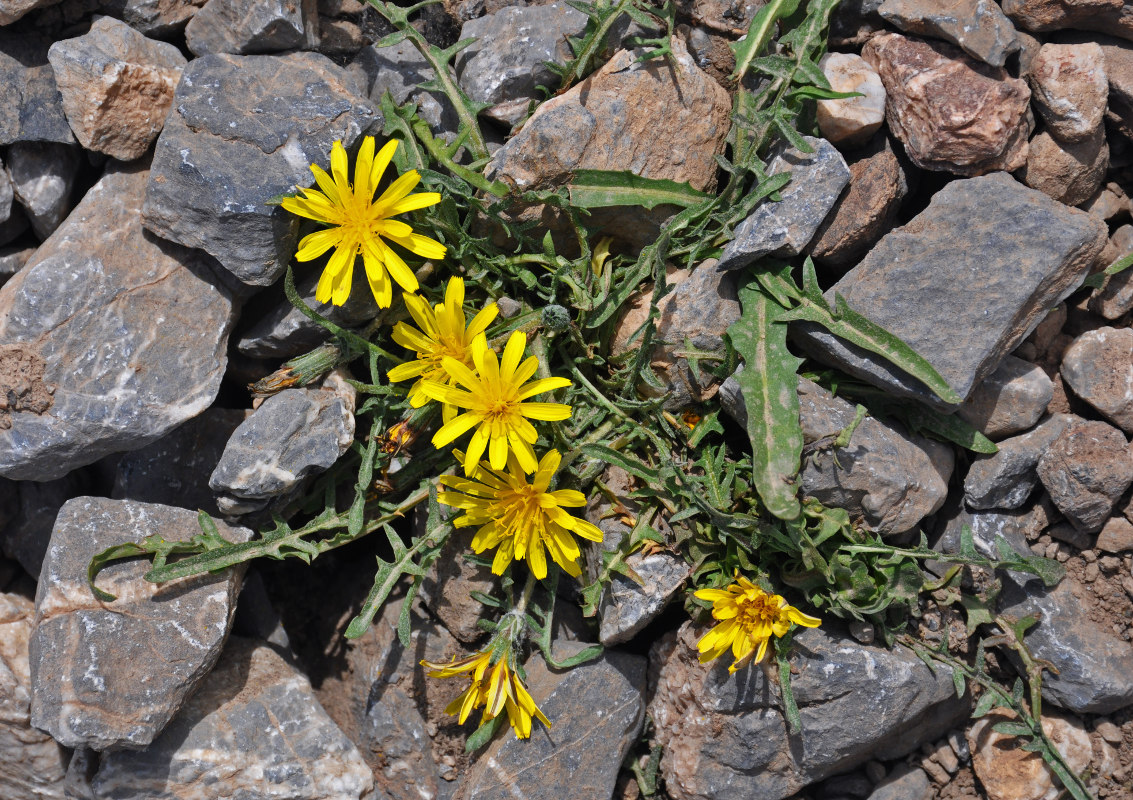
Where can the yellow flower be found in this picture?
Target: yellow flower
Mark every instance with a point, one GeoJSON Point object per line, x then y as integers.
{"type": "Point", "coordinates": [440, 332]}
{"type": "Point", "coordinates": [749, 618]}
{"type": "Point", "coordinates": [493, 398]}
{"type": "Point", "coordinates": [498, 690]}
{"type": "Point", "coordinates": [359, 224]}
{"type": "Point", "coordinates": [520, 517]}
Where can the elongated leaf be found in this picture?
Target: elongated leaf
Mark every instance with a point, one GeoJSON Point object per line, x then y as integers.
{"type": "Point", "coordinates": [596, 188]}
{"type": "Point", "coordinates": [759, 33]}
{"type": "Point", "coordinates": [631, 465]}
{"type": "Point", "coordinates": [769, 382]}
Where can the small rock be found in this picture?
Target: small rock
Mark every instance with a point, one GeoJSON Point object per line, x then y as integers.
{"type": "Point", "coordinates": [1069, 88]}
{"type": "Point", "coordinates": [944, 756]}
{"type": "Point", "coordinates": [855, 119]}
{"type": "Point", "coordinates": [1068, 172]}
{"type": "Point", "coordinates": [1098, 366]}
{"type": "Point", "coordinates": [26, 536]}
{"type": "Point", "coordinates": [116, 86]}
{"type": "Point", "coordinates": [1037, 16]}
{"type": "Point", "coordinates": [1115, 298]}
{"type": "Point", "coordinates": [951, 112]}
{"type": "Point", "coordinates": [43, 174]}
{"type": "Point", "coordinates": [1109, 202]}
{"type": "Point", "coordinates": [867, 209]}
{"type": "Point", "coordinates": [161, 323]}
{"type": "Point", "coordinates": [156, 18]}
{"type": "Point", "coordinates": [1008, 772]}
{"type": "Point", "coordinates": [244, 129]}
{"type": "Point", "coordinates": [13, 259]}
{"type": "Point", "coordinates": [1086, 469]}
{"type": "Point", "coordinates": [1116, 535]}
{"type": "Point", "coordinates": [1108, 731]}
{"type": "Point", "coordinates": [906, 783]}
{"type": "Point", "coordinates": [979, 27]}
{"type": "Point", "coordinates": [786, 227]}
{"type": "Point", "coordinates": [32, 765]}
{"type": "Point", "coordinates": [295, 434]}
{"type": "Point", "coordinates": [400, 69]}
{"type": "Point", "coordinates": [244, 27]}
{"type": "Point", "coordinates": [1009, 400]}
{"type": "Point", "coordinates": [448, 586]}
{"type": "Point", "coordinates": [112, 674]}
{"type": "Point", "coordinates": [982, 237]}
{"type": "Point", "coordinates": [1006, 479]}
{"type": "Point", "coordinates": [253, 730]}
{"type": "Point", "coordinates": [856, 703]}
{"type": "Point", "coordinates": [31, 109]}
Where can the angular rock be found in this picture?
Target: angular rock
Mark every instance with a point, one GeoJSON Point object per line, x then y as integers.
{"type": "Point", "coordinates": [43, 174]}
{"type": "Point", "coordinates": [979, 27]}
{"type": "Point", "coordinates": [400, 69]}
{"type": "Point", "coordinates": [867, 209]}
{"type": "Point", "coordinates": [155, 18]}
{"type": "Point", "coordinates": [174, 470]}
{"type": "Point", "coordinates": [1098, 366]}
{"type": "Point", "coordinates": [161, 322]}
{"type": "Point", "coordinates": [448, 586]}
{"type": "Point", "coordinates": [1068, 172]}
{"type": "Point", "coordinates": [254, 730]}
{"type": "Point", "coordinates": [1007, 478]}
{"type": "Point", "coordinates": [112, 674]}
{"type": "Point", "coordinates": [1095, 667]}
{"type": "Point", "coordinates": [857, 702]}
{"type": "Point", "coordinates": [596, 710]}
{"type": "Point", "coordinates": [951, 112]}
{"type": "Point", "coordinates": [1110, 16]}
{"type": "Point", "coordinates": [295, 434]}
{"type": "Point", "coordinates": [1119, 71]}
{"type": "Point", "coordinates": [1009, 400]}
{"type": "Point", "coordinates": [1087, 468]}
{"type": "Point", "coordinates": [116, 86]}
{"type": "Point", "coordinates": [31, 109]}
{"type": "Point", "coordinates": [1069, 87]}
{"type": "Point", "coordinates": [32, 765]}
{"type": "Point", "coordinates": [12, 10]}
{"type": "Point", "coordinates": [785, 228]}
{"type": "Point", "coordinates": [855, 119]}
{"type": "Point", "coordinates": [244, 129]}
{"type": "Point", "coordinates": [987, 237]}
{"type": "Point", "coordinates": [7, 195]}
{"type": "Point", "coordinates": [507, 62]}
{"type": "Point", "coordinates": [906, 783]}
{"type": "Point", "coordinates": [989, 529]}
{"type": "Point", "coordinates": [27, 534]}
{"type": "Point", "coordinates": [1008, 772]}
{"type": "Point", "coordinates": [1109, 202]}
{"type": "Point", "coordinates": [1116, 536]}
{"type": "Point", "coordinates": [244, 27]}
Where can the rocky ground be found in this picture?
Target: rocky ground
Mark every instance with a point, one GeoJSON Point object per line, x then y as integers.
{"type": "Point", "coordinates": [991, 150]}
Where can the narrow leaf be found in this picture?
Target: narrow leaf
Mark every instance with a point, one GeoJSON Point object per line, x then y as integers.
{"type": "Point", "coordinates": [759, 33]}
{"type": "Point", "coordinates": [596, 188]}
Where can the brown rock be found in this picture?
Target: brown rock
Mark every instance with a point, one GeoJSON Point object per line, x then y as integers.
{"type": "Point", "coordinates": [448, 586]}
{"type": "Point", "coordinates": [1109, 202]}
{"type": "Point", "coordinates": [12, 10]}
{"type": "Point", "coordinates": [1116, 535]}
{"type": "Point", "coordinates": [1098, 366]}
{"type": "Point", "coordinates": [951, 112]}
{"type": "Point", "coordinates": [867, 209]}
{"type": "Point", "coordinates": [1067, 172]}
{"type": "Point", "coordinates": [1110, 16]}
{"type": "Point", "coordinates": [1008, 772]}
{"type": "Point", "coordinates": [1070, 88]}
{"type": "Point", "coordinates": [1119, 71]}
{"type": "Point", "coordinates": [1085, 471]}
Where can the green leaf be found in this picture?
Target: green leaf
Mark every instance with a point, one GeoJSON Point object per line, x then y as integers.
{"type": "Point", "coordinates": [769, 382]}
{"type": "Point", "coordinates": [630, 464]}
{"type": "Point", "coordinates": [596, 188]}
{"type": "Point", "coordinates": [959, 683]}
{"type": "Point", "coordinates": [482, 735]}
{"type": "Point", "coordinates": [1010, 727]}
{"type": "Point", "coordinates": [759, 34]}
{"type": "Point", "coordinates": [1122, 264]}
{"type": "Point", "coordinates": [984, 705]}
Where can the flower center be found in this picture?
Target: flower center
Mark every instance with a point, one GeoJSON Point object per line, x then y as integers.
{"type": "Point", "coordinates": [758, 612]}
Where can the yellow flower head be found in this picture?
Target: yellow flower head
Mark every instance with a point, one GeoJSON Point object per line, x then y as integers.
{"type": "Point", "coordinates": [495, 687]}
{"type": "Point", "coordinates": [360, 225]}
{"type": "Point", "coordinates": [440, 332]}
{"type": "Point", "coordinates": [749, 617]}
{"type": "Point", "coordinates": [493, 398]}
{"type": "Point", "coordinates": [520, 517]}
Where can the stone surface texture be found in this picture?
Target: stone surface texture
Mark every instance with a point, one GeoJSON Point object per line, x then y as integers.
{"type": "Point", "coordinates": [1116, 536]}
{"type": "Point", "coordinates": [112, 674]}
{"type": "Point", "coordinates": [786, 227]}
{"type": "Point", "coordinates": [1009, 400]}
{"type": "Point", "coordinates": [43, 175]}
{"type": "Point", "coordinates": [979, 27]}
{"type": "Point", "coordinates": [1069, 88]}
{"type": "Point", "coordinates": [244, 27]}
{"type": "Point", "coordinates": [1085, 470]}
{"type": "Point", "coordinates": [985, 237]}
{"type": "Point", "coordinates": [25, 537]}
{"type": "Point", "coordinates": [721, 732]}
{"type": "Point", "coordinates": [254, 731]}
{"type": "Point", "coordinates": [160, 322]}
{"type": "Point", "coordinates": [12, 10]}
{"type": "Point", "coordinates": [951, 112]}
{"type": "Point", "coordinates": [1069, 172]}
{"type": "Point", "coordinates": [244, 129]}
{"type": "Point", "coordinates": [158, 18]}
{"type": "Point", "coordinates": [1008, 772]}
{"type": "Point", "coordinates": [32, 765]}
{"type": "Point", "coordinates": [1006, 479]}
{"type": "Point", "coordinates": [1110, 16]}
{"type": "Point", "coordinates": [31, 109]}
{"type": "Point", "coordinates": [852, 120]}
{"type": "Point", "coordinates": [448, 586]}
{"type": "Point", "coordinates": [400, 69]}
{"type": "Point", "coordinates": [116, 86]}
{"type": "Point", "coordinates": [1098, 366]}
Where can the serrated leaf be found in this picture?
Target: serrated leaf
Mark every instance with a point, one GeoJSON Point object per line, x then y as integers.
{"type": "Point", "coordinates": [759, 33]}
{"type": "Point", "coordinates": [597, 188]}
{"type": "Point", "coordinates": [630, 464]}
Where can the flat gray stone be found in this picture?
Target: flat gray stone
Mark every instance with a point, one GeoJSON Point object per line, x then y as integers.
{"type": "Point", "coordinates": [25, 537]}
{"type": "Point", "coordinates": [1069, 87]}
{"type": "Point", "coordinates": [963, 283]}
{"type": "Point", "coordinates": [293, 435]}
{"type": "Point", "coordinates": [244, 27]}
{"type": "Point", "coordinates": [787, 227]}
{"type": "Point", "coordinates": [723, 734]}
{"type": "Point", "coordinates": [1098, 366]}
{"type": "Point", "coordinates": [160, 321]}
{"type": "Point", "coordinates": [156, 18]}
{"type": "Point", "coordinates": [988, 528]}
{"type": "Point", "coordinates": [112, 674]}
{"type": "Point", "coordinates": [979, 27]}
{"type": "Point", "coordinates": [43, 175]}
{"type": "Point", "coordinates": [1009, 400]}
{"type": "Point", "coordinates": [116, 86]}
{"type": "Point", "coordinates": [244, 129]}
{"type": "Point", "coordinates": [253, 731]}
{"type": "Point", "coordinates": [1085, 471]}
{"type": "Point", "coordinates": [31, 109]}
{"type": "Point", "coordinates": [400, 69]}
{"type": "Point", "coordinates": [1007, 478]}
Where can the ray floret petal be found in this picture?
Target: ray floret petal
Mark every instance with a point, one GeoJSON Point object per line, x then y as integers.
{"type": "Point", "coordinates": [495, 687]}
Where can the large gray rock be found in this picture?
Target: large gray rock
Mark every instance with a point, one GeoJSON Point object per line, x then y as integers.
{"type": "Point", "coordinates": [988, 528]}
{"type": "Point", "coordinates": [43, 175]}
{"type": "Point", "coordinates": [1085, 471]}
{"type": "Point", "coordinates": [31, 109]}
{"type": "Point", "coordinates": [245, 27]}
{"type": "Point", "coordinates": [1009, 400]}
{"type": "Point", "coordinates": [1098, 366]}
{"type": "Point", "coordinates": [244, 129]}
{"type": "Point", "coordinates": [32, 764]}
{"type": "Point", "coordinates": [725, 734]}
{"type": "Point", "coordinates": [116, 86]}
{"type": "Point", "coordinates": [159, 320]}
{"type": "Point", "coordinates": [786, 227]}
{"type": "Point", "coordinates": [295, 434]}
{"type": "Point", "coordinates": [596, 711]}
{"type": "Point", "coordinates": [1069, 87]}
{"type": "Point", "coordinates": [1006, 479]}
{"type": "Point", "coordinates": [400, 69]}
{"type": "Point", "coordinates": [979, 27]}
{"type": "Point", "coordinates": [253, 731]}
{"type": "Point", "coordinates": [112, 674]}
{"type": "Point", "coordinates": [962, 283]}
